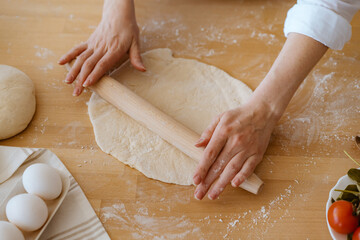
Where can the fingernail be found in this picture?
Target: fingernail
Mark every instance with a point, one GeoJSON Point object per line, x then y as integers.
{"type": "Point", "coordinates": [68, 78]}
{"type": "Point", "coordinates": [235, 183]}
{"type": "Point", "coordinates": [197, 179]}
{"type": "Point", "coordinates": [86, 83]}
{"type": "Point", "coordinates": [196, 195]}
{"type": "Point", "coordinates": [211, 196]}
{"type": "Point", "coordinates": [76, 92]}
{"type": "Point", "coordinates": [200, 141]}
{"type": "Point", "coordinates": [141, 65]}
{"type": "Point", "coordinates": [239, 181]}
{"type": "Point", "coordinates": [199, 194]}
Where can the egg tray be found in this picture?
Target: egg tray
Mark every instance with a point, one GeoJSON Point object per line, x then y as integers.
{"type": "Point", "coordinates": [53, 205]}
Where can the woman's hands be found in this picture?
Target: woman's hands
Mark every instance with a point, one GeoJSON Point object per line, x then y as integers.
{"type": "Point", "coordinates": [116, 35]}
{"type": "Point", "coordinates": [235, 143]}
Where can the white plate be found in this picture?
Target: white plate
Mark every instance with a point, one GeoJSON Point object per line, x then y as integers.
{"type": "Point", "coordinates": [343, 182]}
{"type": "Point", "coordinates": [53, 205]}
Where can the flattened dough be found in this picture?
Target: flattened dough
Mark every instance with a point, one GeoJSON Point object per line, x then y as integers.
{"type": "Point", "coordinates": [189, 91]}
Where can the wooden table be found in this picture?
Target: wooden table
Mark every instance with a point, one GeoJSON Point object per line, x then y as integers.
{"type": "Point", "coordinates": [305, 157]}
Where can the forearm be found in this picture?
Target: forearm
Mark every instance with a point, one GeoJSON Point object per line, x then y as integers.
{"type": "Point", "coordinates": [296, 59]}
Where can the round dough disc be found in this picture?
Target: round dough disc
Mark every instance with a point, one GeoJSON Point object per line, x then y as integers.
{"type": "Point", "coordinates": [17, 101]}
{"type": "Point", "coordinates": [190, 91]}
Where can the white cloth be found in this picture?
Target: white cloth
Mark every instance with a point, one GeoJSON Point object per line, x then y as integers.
{"type": "Point", "coordinates": [327, 21]}
{"type": "Point", "coordinates": [75, 219]}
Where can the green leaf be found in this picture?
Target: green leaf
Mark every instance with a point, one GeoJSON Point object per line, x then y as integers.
{"type": "Point", "coordinates": [355, 202]}
{"type": "Point", "coordinates": [350, 193]}
{"type": "Point", "coordinates": [349, 236]}
{"type": "Point", "coordinates": [354, 174]}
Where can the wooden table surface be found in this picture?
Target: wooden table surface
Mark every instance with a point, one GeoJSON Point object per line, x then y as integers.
{"type": "Point", "coordinates": [305, 157]}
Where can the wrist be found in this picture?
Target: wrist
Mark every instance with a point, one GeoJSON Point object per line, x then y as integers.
{"type": "Point", "coordinates": [264, 111]}
{"type": "Point", "coordinates": [115, 10]}
{"type": "Point", "coordinates": [271, 99]}
{"type": "Point", "coordinates": [297, 57]}
{"type": "Point", "coordinates": [275, 93]}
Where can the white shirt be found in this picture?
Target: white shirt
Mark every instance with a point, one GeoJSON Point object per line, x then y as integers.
{"type": "Point", "coordinates": [327, 21]}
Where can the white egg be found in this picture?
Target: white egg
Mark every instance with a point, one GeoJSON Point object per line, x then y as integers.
{"type": "Point", "coordinates": [27, 211]}
{"type": "Point", "coordinates": [42, 180]}
{"type": "Point", "coordinates": [9, 231]}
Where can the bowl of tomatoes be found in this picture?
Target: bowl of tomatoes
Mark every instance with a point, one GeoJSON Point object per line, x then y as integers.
{"type": "Point", "coordinates": [343, 207]}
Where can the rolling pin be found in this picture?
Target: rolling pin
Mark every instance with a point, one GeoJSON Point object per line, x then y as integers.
{"type": "Point", "coordinates": [158, 122]}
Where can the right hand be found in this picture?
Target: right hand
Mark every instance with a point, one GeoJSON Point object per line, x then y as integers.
{"type": "Point", "coordinates": [235, 144]}
{"type": "Point", "coordinates": [116, 35]}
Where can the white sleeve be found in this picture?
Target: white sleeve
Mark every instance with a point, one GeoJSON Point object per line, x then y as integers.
{"type": "Point", "coordinates": [327, 21]}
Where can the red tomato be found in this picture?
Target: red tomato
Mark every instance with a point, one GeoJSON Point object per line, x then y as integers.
{"type": "Point", "coordinates": [341, 218]}
{"type": "Point", "coordinates": [356, 235]}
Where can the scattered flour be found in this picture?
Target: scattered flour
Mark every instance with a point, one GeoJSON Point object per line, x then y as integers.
{"type": "Point", "coordinates": [70, 133]}
{"type": "Point", "coordinates": [269, 38]}
{"type": "Point", "coordinates": [141, 225]}
{"type": "Point", "coordinates": [48, 66]}
{"type": "Point", "coordinates": [175, 31]}
{"type": "Point", "coordinates": [322, 115]}
{"type": "Point", "coordinates": [42, 52]}
{"type": "Point", "coordinates": [139, 220]}
{"type": "Point", "coordinates": [261, 219]}
{"type": "Point", "coordinates": [42, 125]}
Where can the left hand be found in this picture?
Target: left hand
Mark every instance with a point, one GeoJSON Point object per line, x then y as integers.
{"type": "Point", "coordinates": [115, 36]}
{"type": "Point", "coordinates": [235, 143]}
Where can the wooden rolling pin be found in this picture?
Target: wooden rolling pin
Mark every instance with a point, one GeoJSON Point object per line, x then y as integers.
{"type": "Point", "coordinates": [158, 122]}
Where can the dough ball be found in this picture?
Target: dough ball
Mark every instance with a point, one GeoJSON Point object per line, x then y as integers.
{"type": "Point", "coordinates": [17, 101]}
{"type": "Point", "coordinates": [42, 180]}
{"type": "Point", "coordinates": [27, 211]}
{"type": "Point", "coordinates": [9, 231]}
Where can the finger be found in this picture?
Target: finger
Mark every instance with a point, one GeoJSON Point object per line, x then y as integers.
{"type": "Point", "coordinates": [246, 170]}
{"type": "Point", "coordinates": [211, 152]}
{"type": "Point", "coordinates": [208, 132]}
{"type": "Point", "coordinates": [101, 67]}
{"type": "Point", "coordinates": [204, 186]}
{"type": "Point", "coordinates": [73, 53]}
{"type": "Point", "coordinates": [88, 67]}
{"type": "Point", "coordinates": [75, 69]}
{"type": "Point", "coordinates": [231, 169]}
{"type": "Point", "coordinates": [215, 170]}
{"type": "Point", "coordinates": [135, 57]}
